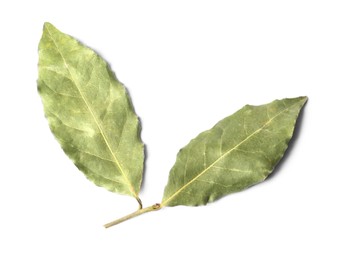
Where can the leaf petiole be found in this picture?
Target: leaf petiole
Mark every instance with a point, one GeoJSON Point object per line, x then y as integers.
{"type": "Point", "coordinates": [140, 202]}
{"type": "Point", "coordinates": [141, 211]}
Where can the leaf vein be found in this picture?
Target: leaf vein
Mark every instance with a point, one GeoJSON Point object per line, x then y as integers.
{"type": "Point", "coordinates": [232, 169]}
{"type": "Point", "coordinates": [61, 94]}
{"type": "Point", "coordinates": [67, 125]}
{"type": "Point", "coordinates": [215, 183]}
{"type": "Point", "coordinates": [55, 71]}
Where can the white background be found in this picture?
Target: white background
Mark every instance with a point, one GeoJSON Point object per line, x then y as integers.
{"type": "Point", "coordinates": [186, 64]}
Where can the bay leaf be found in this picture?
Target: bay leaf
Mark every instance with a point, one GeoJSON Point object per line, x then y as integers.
{"type": "Point", "coordinates": [238, 152]}
{"type": "Point", "coordinates": [90, 113]}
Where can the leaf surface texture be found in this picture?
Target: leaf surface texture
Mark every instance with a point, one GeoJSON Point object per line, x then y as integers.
{"type": "Point", "coordinates": [90, 113]}
{"type": "Point", "coordinates": [239, 151]}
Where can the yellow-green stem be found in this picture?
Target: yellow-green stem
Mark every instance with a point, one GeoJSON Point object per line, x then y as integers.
{"type": "Point", "coordinates": [132, 215]}
{"type": "Point", "coordinates": [140, 203]}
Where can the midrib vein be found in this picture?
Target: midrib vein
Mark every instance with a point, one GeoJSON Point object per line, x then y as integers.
{"type": "Point", "coordinates": [164, 203]}
{"type": "Point", "coordinates": [94, 117]}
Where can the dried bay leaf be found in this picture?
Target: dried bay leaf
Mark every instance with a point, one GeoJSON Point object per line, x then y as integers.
{"type": "Point", "coordinates": [238, 152]}
{"type": "Point", "coordinates": [92, 117]}
{"type": "Point", "coordinates": [90, 113]}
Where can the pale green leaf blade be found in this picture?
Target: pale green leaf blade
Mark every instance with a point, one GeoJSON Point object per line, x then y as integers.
{"type": "Point", "coordinates": [90, 113]}
{"type": "Point", "coordinates": [238, 152]}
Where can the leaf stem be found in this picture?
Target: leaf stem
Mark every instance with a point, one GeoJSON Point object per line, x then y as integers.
{"type": "Point", "coordinates": [134, 214]}
{"type": "Point", "coordinates": [140, 202]}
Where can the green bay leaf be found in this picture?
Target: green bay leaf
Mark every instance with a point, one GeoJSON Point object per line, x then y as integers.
{"type": "Point", "coordinates": [90, 113]}
{"type": "Point", "coordinates": [238, 152]}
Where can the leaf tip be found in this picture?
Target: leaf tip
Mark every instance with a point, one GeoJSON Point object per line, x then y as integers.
{"type": "Point", "coordinates": [300, 100]}
{"type": "Point", "coordinates": [47, 25]}
{"type": "Point", "coordinates": [304, 98]}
